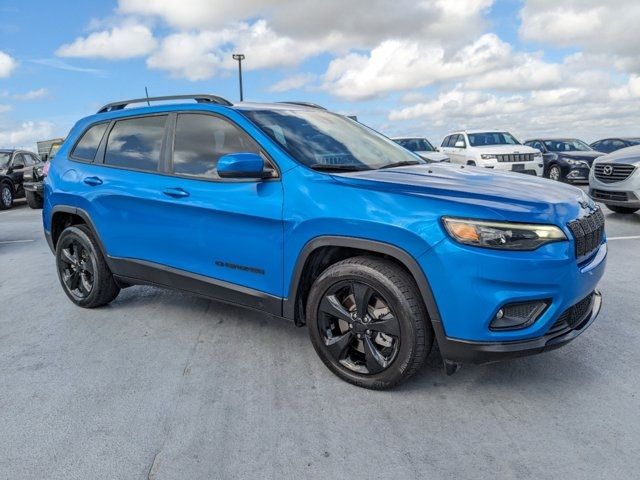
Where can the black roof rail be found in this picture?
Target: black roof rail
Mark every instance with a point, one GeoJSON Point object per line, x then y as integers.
{"type": "Point", "coordinates": [200, 98]}
{"type": "Point", "coordinates": [306, 104]}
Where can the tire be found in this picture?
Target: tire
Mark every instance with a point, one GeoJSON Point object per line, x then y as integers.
{"type": "Point", "coordinates": [471, 163]}
{"type": "Point", "coordinates": [33, 200]}
{"type": "Point", "coordinates": [395, 334]}
{"type": "Point", "coordinates": [6, 196]}
{"type": "Point", "coordinates": [618, 209]}
{"type": "Point", "coordinates": [80, 263]}
{"type": "Point", "coordinates": [555, 173]}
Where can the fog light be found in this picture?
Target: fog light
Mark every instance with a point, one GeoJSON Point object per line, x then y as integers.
{"type": "Point", "coordinates": [519, 315]}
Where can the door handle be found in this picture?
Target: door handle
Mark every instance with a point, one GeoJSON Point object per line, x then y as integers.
{"type": "Point", "coordinates": [93, 181]}
{"type": "Point", "coordinates": [175, 192]}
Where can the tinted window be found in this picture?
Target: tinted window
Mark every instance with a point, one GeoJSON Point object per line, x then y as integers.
{"type": "Point", "coordinates": [569, 145]}
{"type": "Point", "coordinates": [323, 140]}
{"type": "Point", "coordinates": [455, 139]}
{"type": "Point", "coordinates": [201, 140]}
{"type": "Point", "coordinates": [136, 143]}
{"type": "Point", "coordinates": [492, 138]}
{"type": "Point", "coordinates": [616, 145]}
{"type": "Point", "coordinates": [445, 142]}
{"type": "Point", "coordinates": [18, 160]}
{"type": "Point", "coordinates": [88, 145]}
{"type": "Point", "coordinates": [416, 144]}
{"type": "Point", "coordinates": [28, 160]}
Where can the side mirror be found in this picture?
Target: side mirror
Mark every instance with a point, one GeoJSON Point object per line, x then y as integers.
{"type": "Point", "coordinates": [459, 144]}
{"type": "Point", "coordinates": [242, 165]}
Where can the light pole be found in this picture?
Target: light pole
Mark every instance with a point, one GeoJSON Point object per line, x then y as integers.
{"type": "Point", "coordinates": [239, 57]}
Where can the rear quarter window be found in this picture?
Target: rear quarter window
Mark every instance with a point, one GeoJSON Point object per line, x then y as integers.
{"type": "Point", "coordinates": [88, 145]}
{"type": "Point", "coordinates": [135, 143]}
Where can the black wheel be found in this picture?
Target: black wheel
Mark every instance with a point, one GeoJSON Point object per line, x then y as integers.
{"type": "Point", "coordinates": [555, 173]}
{"type": "Point", "coordinates": [6, 196]}
{"type": "Point", "coordinates": [471, 163]}
{"type": "Point", "coordinates": [618, 209]}
{"type": "Point", "coordinates": [367, 322]}
{"type": "Point", "coordinates": [33, 200]}
{"type": "Point", "coordinates": [82, 270]}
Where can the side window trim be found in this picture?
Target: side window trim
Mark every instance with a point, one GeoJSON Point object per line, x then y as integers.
{"type": "Point", "coordinates": [171, 143]}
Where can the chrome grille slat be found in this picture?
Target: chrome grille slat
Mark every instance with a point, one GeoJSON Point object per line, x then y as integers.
{"type": "Point", "coordinates": [515, 157]}
{"type": "Point", "coordinates": [619, 172]}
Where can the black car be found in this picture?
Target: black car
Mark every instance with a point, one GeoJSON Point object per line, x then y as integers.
{"type": "Point", "coordinates": [16, 166]}
{"type": "Point", "coordinates": [608, 145]}
{"type": "Point", "coordinates": [565, 159]}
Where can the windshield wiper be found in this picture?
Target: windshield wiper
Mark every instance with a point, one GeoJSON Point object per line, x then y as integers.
{"type": "Point", "coordinates": [403, 163]}
{"type": "Point", "coordinates": [336, 168]}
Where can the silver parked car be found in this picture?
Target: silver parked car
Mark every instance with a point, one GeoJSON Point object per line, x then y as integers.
{"type": "Point", "coordinates": [422, 147]}
{"type": "Point", "coordinates": [615, 180]}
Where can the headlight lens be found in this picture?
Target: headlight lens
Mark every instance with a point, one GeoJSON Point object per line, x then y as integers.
{"type": "Point", "coordinates": [577, 163]}
{"type": "Point", "coordinates": [488, 156]}
{"type": "Point", "coordinates": [504, 236]}
{"type": "Point", "coordinates": [537, 155]}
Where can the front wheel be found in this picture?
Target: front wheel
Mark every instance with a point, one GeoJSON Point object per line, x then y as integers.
{"type": "Point", "coordinates": [6, 196]}
{"type": "Point", "coordinates": [82, 269]}
{"type": "Point", "coordinates": [33, 200]}
{"type": "Point", "coordinates": [618, 209]}
{"type": "Point", "coordinates": [555, 173]}
{"type": "Point", "coordinates": [367, 322]}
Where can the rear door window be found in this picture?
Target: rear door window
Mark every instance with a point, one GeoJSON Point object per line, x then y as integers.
{"type": "Point", "coordinates": [136, 143]}
{"type": "Point", "coordinates": [88, 145]}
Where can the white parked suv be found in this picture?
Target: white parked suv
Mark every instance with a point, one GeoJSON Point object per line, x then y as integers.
{"type": "Point", "coordinates": [492, 149]}
{"type": "Point", "coordinates": [615, 180]}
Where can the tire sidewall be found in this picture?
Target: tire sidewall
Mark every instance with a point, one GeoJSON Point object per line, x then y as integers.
{"type": "Point", "coordinates": [3, 187]}
{"type": "Point", "coordinates": [557, 168]}
{"type": "Point", "coordinates": [88, 243]}
{"type": "Point", "coordinates": [391, 293]}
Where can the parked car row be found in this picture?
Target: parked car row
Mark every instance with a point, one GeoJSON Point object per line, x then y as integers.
{"type": "Point", "coordinates": [21, 174]}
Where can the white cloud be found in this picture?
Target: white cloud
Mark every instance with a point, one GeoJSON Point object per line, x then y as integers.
{"type": "Point", "coordinates": [295, 82]}
{"type": "Point", "coordinates": [7, 64]}
{"type": "Point", "coordinates": [610, 28]}
{"type": "Point", "coordinates": [198, 56]}
{"type": "Point", "coordinates": [401, 64]}
{"type": "Point", "coordinates": [32, 94]}
{"type": "Point", "coordinates": [126, 41]}
{"type": "Point", "coordinates": [4, 108]}
{"type": "Point", "coordinates": [25, 135]}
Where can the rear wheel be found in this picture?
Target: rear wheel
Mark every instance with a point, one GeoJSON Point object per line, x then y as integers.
{"type": "Point", "coordinates": [6, 196]}
{"type": "Point", "coordinates": [82, 269]}
{"type": "Point", "coordinates": [33, 200]}
{"type": "Point", "coordinates": [367, 322]}
{"type": "Point", "coordinates": [618, 209]}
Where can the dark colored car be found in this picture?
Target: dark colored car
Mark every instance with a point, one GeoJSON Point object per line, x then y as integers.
{"type": "Point", "coordinates": [565, 159]}
{"type": "Point", "coordinates": [608, 145]}
{"type": "Point", "coordinates": [423, 148]}
{"type": "Point", "coordinates": [15, 166]}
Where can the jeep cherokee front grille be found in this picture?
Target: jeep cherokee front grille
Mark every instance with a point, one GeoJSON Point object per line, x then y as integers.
{"type": "Point", "coordinates": [515, 157]}
{"type": "Point", "coordinates": [588, 232]}
{"type": "Point", "coordinates": [612, 172]}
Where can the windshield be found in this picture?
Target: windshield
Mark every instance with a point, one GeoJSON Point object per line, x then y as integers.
{"type": "Point", "coordinates": [567, 146]}
{"type": "Point", "coordinates": [491, 138]}
{"type": "Point", "coordinates": [4, 159]}
{"type": "Point", "coordinates": [416, 144]}
{"type": "Point", "coordinates": [633, 141]}
{"type": "Point", "coordinates": [324, 140]}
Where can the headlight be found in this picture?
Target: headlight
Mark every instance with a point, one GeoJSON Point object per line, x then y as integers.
{"type": "Point", "coordinates": [39, 171]}
{"type": "Point", "coordinates": [504, 236]}
{"type": "Point", "coordinates": [577, 163]}
{"type": "Point", "coordinates": [488, 156]}
{"type": "Point", "coordinates": [537, 156]}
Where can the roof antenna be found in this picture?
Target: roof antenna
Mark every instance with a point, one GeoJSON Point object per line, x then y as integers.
{"type": "Point", "coordinates": [147, 94]}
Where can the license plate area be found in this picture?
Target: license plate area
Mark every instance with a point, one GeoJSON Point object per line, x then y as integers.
{"type": "Point", "coordinates": [517, 167]}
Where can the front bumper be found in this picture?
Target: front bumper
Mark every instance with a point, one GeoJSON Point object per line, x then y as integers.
{"type": "Point", "coordinates": [36, 187]}
{"type": "Point", "coordinates": [530, 168]}
{"type": "Point", "coordinates": [578, 175]}
{"type": "Point", "coordinates": [463, 351]}
{"type": "Point", "coordinates": [625, 193]}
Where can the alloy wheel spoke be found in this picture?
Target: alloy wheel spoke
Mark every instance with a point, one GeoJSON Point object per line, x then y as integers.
{"type": "Point", "coordinates": [84, 284]}
{"type": "Point", "coordinates": [74, 280]}
{"type": "Point", "coordinates": [66, 256]}
{"type": "Point", "coordinates": [387, 324]}
{"type": "Point", "coordinates": [361, 296]}
{"type": "Point", "coordinates": [332, 306]}
{"type": "Point", "coordinates": [374, 359]}
{"type": "Point", "coordinates": [338, 344]}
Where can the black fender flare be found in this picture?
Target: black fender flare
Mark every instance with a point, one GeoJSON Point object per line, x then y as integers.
{"type": "Point", "coordinates": [400, 255]}
{"type": "Point", "coordinates": [87, 219]}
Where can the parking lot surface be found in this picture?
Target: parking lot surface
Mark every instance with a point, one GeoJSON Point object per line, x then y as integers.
{"type": "Point", "coordinates": [163, 385]}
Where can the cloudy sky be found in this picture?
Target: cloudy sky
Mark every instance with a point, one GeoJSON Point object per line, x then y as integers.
{"type": "Point", "coordinates": [405, 67]}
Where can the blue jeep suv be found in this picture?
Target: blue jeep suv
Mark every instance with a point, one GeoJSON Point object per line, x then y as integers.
{"type": "Point", "coordinates": [308, 215]}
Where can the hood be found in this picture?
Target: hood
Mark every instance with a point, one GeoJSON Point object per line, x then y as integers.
{"type": "Point", "coordinates": [433, 156]}
{"type": "Point", "coordinates": [507, 149]}
{"type": "Point", "coordinates": [510, 195]}
{"type": "Point", "coordinates": [629, 156]}
{"type": "Point", "coordinates": [588, 156]}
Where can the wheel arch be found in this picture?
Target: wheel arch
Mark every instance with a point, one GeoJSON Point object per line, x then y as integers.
{"type": "Point", "coordinates": [312, 261]}
{"type": "Point", "coordinates": [63, 216]}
